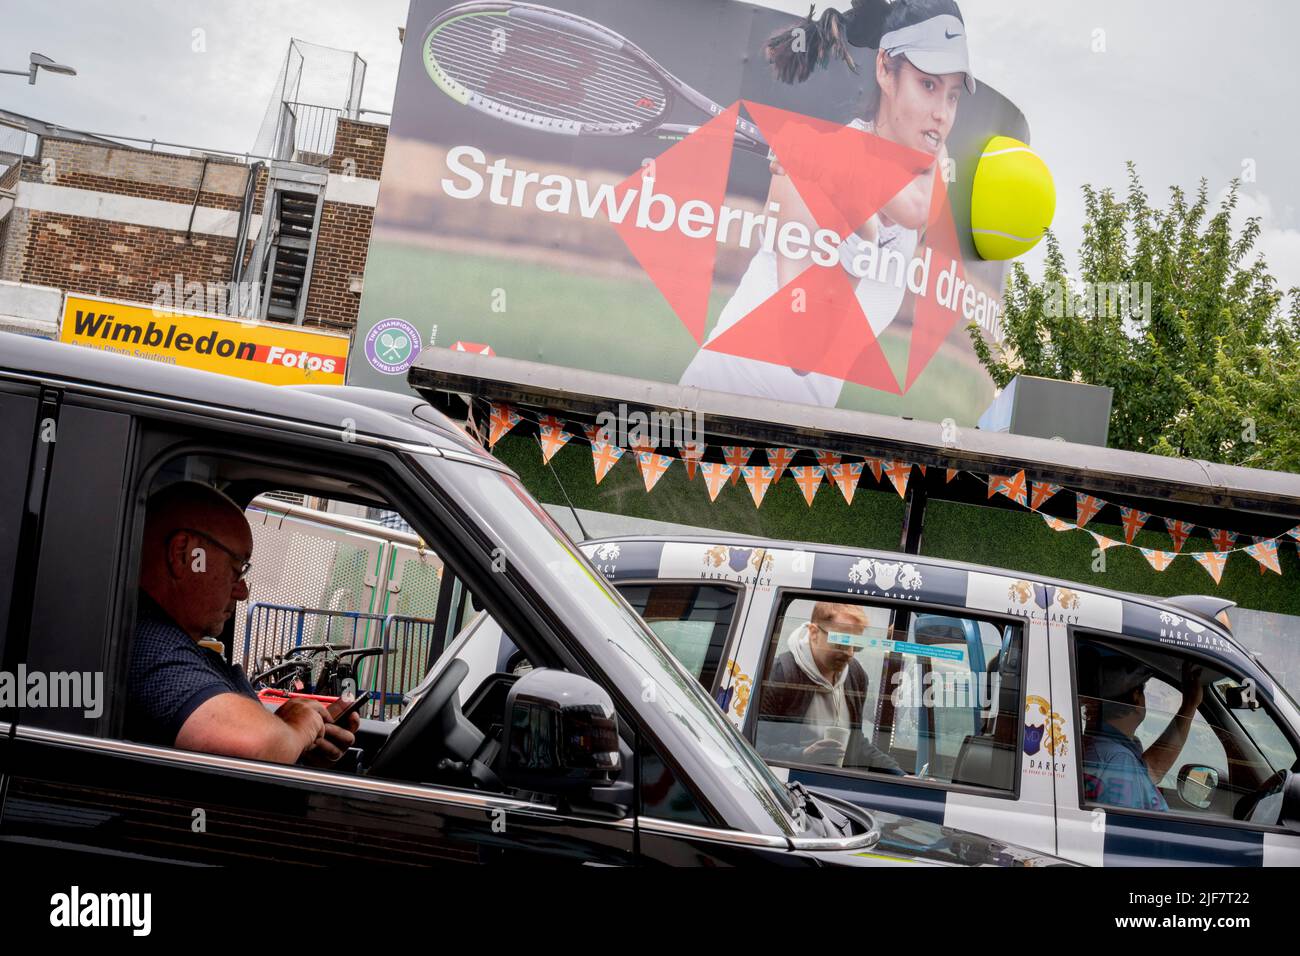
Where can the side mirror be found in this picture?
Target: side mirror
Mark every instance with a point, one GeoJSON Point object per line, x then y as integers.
{"type": "Point", "coordinates": [561, 737]}
{"type": "Point", "coordinates": [1196, 785]}
{"type": "Point", "coordinates": [1237, 699]}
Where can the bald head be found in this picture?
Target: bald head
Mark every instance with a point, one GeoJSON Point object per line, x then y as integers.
{"type": "Point", "coordinates": [195, 540]}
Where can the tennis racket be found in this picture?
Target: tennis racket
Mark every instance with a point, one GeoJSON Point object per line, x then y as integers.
{"type": "Point", "coordinates": [557, 72]}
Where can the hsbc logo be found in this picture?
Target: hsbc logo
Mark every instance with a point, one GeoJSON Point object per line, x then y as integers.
{"type": "Point", "coordinates": [673, 215]}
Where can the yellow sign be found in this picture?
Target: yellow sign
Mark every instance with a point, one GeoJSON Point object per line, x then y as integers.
{"type": "Point", "coordinates": [263, 352]}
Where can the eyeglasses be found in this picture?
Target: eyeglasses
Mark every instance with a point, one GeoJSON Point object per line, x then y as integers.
{"type": "Point", "coordinates": [242, 567]}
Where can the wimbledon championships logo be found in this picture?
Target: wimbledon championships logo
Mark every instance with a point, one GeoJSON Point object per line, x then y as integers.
{"type": "Point", "coordinates": [392, 346]}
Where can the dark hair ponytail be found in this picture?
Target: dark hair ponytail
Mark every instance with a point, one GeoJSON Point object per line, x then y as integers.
{"type": "Point", "coordinates": [831, 35]}
{"type": "Point", "coordinates": [834, 32]}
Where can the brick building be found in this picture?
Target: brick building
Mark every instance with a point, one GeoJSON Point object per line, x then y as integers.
{"type": "Point", "coordinates": [281, 238]}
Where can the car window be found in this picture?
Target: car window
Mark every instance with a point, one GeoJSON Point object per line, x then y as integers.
{"type": "Point", "coordinates": [691, 619]}
{"type": "Point", "coordinates": [871, 688]}
{"type": "Point", "coordinates": [1263, 730]}
{"type": "Point", "coordinates": [1160, 734]}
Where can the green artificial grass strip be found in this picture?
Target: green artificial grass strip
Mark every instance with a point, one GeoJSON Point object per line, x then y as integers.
{"type": "Point", "coordinates": [1021, 541]}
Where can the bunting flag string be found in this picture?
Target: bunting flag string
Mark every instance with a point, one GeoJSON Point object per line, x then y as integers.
{"type": "Point", "coordinates": [827, 460]}
{"type": "Point", "coordinates": [780, 458]}
{"type": "Point", "coordinates": [1158, 559]}
{"type": "Point", "coordinates": [758, 478]}
{"type": "Point", "coordinates": [847, 477]}
{"type": "Point", "coordinates": [653, 465]}
{"type": "Point", "coordinates": [692, 452]}
{"type": "Point", "coordinates": [554, 433]}
{"type": "Point", "coordinates": [1223, 540]}
{"type": "Point", "coordinates": [1041, 491]}
{"type": "Point", "coordinates": [1213, 562]}
{"type": "Point", "coordinates": [501, 419]}
{"type": "Point", "coordinates": [808, 478]}
{"type": "Point", "coordinates": [1086, 508]}
{"type": "Point", "coordinates": [604, 456]}
{"type": "Point", "coordinates": [898, 472]}
{"type": "Point", "coordinates": [1178, 532]}
{"type": "Point", "coordinates": [1264, 550]}
{"type": "Point", "coordinates": [737, 457]}
{"type": "Point", "coordinates": [1013, 486]}
{"type": "Point", "coordinates": [1133, 520]}
{"type": "Point", "coordinates": [715, 476]}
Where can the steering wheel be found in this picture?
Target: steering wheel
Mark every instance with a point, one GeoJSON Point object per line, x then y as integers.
{"type": "Point", "coordinates": [1249, 807]}
{"type": "Point", "coordinates": [421, 725]}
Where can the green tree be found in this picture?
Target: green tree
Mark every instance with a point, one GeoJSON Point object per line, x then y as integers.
{"type": "Point", "coordinates": [1197, 342]}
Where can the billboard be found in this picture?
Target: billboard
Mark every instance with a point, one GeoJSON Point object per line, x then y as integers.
{"type": "Point", "coordinates": [701, 192]}
{"type": "Point", "coordinates": [274, 354]}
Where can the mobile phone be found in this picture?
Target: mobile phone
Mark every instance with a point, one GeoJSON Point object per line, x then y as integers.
{"type": "Point", "coordinates": [352, 707]}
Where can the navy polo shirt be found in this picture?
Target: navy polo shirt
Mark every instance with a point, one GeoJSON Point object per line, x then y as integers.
{"type": "Point", "coordinates": [1115, 772]}
{"type": "Point", "coordinates": [171, 676]}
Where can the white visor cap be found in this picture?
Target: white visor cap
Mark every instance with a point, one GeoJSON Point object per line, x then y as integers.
{"type": "Point", "coordinates": [936, 46]}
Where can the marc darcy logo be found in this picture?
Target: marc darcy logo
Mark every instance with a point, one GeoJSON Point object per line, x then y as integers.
{"type": "Point", "coordinates": [895, 579]}
{"type": "Point", "coordinates": [747, 565]}
{"type": "Point", "coordinates": [248, 350]}
{"type": "Point", "coordinates": [1043, 603]}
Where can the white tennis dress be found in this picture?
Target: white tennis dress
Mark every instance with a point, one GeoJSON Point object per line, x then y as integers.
{"type": "Point", "coordinates": [746, 376]}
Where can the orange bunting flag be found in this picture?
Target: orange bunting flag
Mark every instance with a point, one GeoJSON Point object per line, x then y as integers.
{"type": "Point", "coordinates": [1103, 542]}
{"type": "Point", "coordinates": [1178, 532]}
{"type": "Point", "coordinates": [553, 437]}
{"type": "Point", "coordinates": [737, 458]}
{"type": "Point", "coordinates": [1295, 533]}
{"type": "Point", "coordinates": [1223, 540]}
{"type": "Point", "coordinates": [1086, 508]}
{"type": "Point", "coordinates": [692, 452]}
{"type": "Point", "coordinates": [847, 477]}
{"type": "Point", "coordinates": [1056, 524]}
{"type": "Point", "coordinates": [899, 472]}
{"type": "Point", "coordinates": [604, 456]}
{"type": "Point", "coordinates": [1264, 550]}
{"type": "Point", "coordinates": [715, 476]}
{"type": "Point", "coordinates": [1040, 491]}
{"type": "Point", "coordinates": [1212, 561]}
{"type": "Point", "coordinates": [653, 465]}
{"type": "Point", "coordinates": [1013, 486]}
{"type": "Point", "coordinates": [950, 474]}
{"type": "Point", "coordinates": [1133, 520]}
{"type": "Point", "coordinates": [808, 477]}
{"type": "Point", "coordinates": [876, 465]}
{"type": "Point", "coordinates": [502, 418]}
{"type": "Point", "coordinates": [1158, 559]}
{"type": "Point", "coordinates": [780, 458]}
{"type": "Point", "coordinates": [593, 433]}
{"type": "Point", "coordinates": [828, 459]}
{"type": "Point", "coordinates": [758, 478]}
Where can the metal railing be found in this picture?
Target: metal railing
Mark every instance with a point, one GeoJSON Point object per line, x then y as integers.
{"type": "Point", "coordinates": [270, 630]}
{"type": "Point", "coordinates": [411, 640]}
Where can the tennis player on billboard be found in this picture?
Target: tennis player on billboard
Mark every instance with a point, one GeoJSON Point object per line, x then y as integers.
{"type": "Point", "coordinates": [921, 67]}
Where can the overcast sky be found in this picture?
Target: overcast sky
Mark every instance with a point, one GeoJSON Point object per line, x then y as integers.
{"type": "Point", "coordinates": [1169, 91]}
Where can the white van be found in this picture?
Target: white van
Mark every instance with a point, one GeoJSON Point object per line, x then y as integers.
{"type": "Point", "coordinates": [1101, 727]}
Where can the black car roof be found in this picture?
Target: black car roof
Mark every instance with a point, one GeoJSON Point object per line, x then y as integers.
{"type": "Point", "coordinates": [387, 415]}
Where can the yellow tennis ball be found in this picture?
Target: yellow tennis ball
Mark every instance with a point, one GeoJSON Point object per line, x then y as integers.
{"type": "Point", "coordinates": [1012, 199]}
